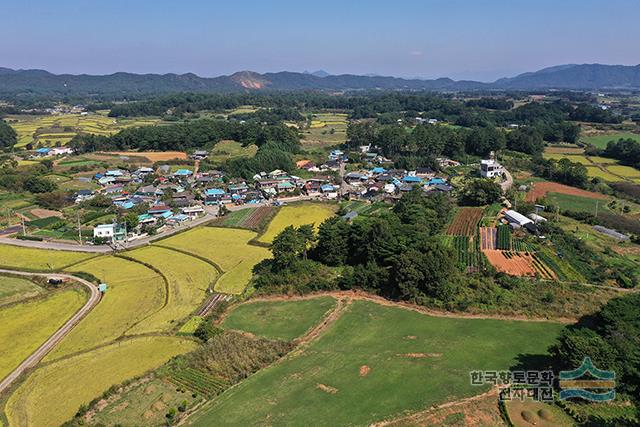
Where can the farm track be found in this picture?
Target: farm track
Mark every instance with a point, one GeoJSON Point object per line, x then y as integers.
{"type": "Point", "coordinates": [54, 339]}
{"type": "Point", "coordinates": [213, 301]}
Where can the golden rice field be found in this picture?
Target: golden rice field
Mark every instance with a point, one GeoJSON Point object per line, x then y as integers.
{"type": "Point", "coordinates": [53, 393]}
{"type": "Point", "coordinates": [624, 171]}
{"type": "Point", "coordinates": [52, 130]}
{"type": "Point", "coordinates": [134, 293]}
{"type": "Point", "coordinates": [594, 171]}
{"type": "Point", "coordinates": [573, 157]}
{"type": "Point", "coordinates": [188, 277]}
{"type": "Point", "coordinates": [297, 215]}
{"type": "Point", "coordinates": [38, 259]}
{"type": "Point", "coordinates": [227, 248]}
{"type": "Point", "coordinates": [26, 326]}
{"type": "Point", "coordinates": [602, 160]}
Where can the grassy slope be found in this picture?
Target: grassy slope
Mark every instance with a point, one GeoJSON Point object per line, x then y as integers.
{"type": "Point", "coordinates": [189, 278]}
{"type": "Point", "coordinates": [26, 326]}
{"type": "Point", "coordinates": [280, 320]}
{"type": "Point", "coordinates": [135, 292]}
{"type": "Point", "coordinates": [54, 392]}
{"type": "Point", "coordinates": [297, 215]}
{"type": "Point", "coordinates": [17, 288]}
{"type": "Point", "coordinates": [378, 337]}
{"type": "Point", "coordinates": [601, 141]}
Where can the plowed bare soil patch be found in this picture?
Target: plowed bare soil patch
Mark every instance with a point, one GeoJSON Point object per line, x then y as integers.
{"type": "Point", "coordinates": [364, 370]}
{"type": "Point", "coordinates": [45, 213]}
{"type": "Point", "coordinates": [488, 237]}
{"type": "Point", "coordinates": [419, 355]}
{"type": "Point", "coordinates": [540, 189]}
{"type": "Point", "coordinates": [465, 222]}
{"type": "Point", "coordinates": [515, 265]}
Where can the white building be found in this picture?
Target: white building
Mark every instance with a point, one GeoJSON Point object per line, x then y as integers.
{"type": "Point", "coordinates": [517, 218]}
{"type": "Point", "coordinates": [108, 231]}
{"type": "Point", "coordinates": [490, 168]}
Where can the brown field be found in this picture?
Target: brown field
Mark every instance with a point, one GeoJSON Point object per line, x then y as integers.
{"type": "Point", "coordinates": [540, 189]}
{"type": "Point", "coordinates": [153, 156]}
{"type": "Point", "coordinates": [256, 218]}
{"type": "Point", "coordinates": [519, 264]}
{"type": "Point", "coordinates": [45, 213]}
{"type": "Point", "coordinates": [564, 150]}
{"type": "Point", "coordinates": [488, 238]}
{"type": "Point", "coordinates": [465, 222]}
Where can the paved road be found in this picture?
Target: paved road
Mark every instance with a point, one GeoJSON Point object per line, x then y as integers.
{"type": "Point", "coordinates": [54, 339]}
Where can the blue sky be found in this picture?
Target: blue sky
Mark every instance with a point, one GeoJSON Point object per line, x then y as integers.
{"type": "Point", "coordinates": [462, 39]}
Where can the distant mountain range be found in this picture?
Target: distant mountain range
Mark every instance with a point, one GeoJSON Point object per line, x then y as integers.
{"type": "Point", "coordinates": [572, 76]}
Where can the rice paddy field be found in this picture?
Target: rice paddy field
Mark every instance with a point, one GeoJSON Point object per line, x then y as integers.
{"type": "Point", "coordinates": [26, 325]}
{"type": "Point", "coordinates": [297, 215]}
{"type": "Point", "coordinates": [55, 130]}
{"type": "Point", "coordinates": [378, 362]}
{"type": "Point", "coordinates": [601, 141]}
{"type": "Point", "coordinates": [134, 294]}
{"type": "Point", "coordinates": [279, 320]}
{"type": "Point", "coordinates": [598, 167]}
{"type": "Point", "coordinates": [325, 130]}
{"type": "Point", "coordinates": [32, 259]}
{"type": "Point", "coordinates": [188, 280]}
{"type": "Point", "coordinates": [14, 289]}
{"type": "Point", "coordinates": [227, 248]}
{"type": "Point", "coordinates": [53, 393]}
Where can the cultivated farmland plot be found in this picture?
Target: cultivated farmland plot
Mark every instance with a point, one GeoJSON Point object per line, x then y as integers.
{"type": "Point", "coordinates": [297, 215]}
{"type": "Point", "coordinates": [465, 222]}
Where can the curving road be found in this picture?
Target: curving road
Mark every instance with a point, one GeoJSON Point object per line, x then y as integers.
{"type": "Point", "coordinates": [54, 339]}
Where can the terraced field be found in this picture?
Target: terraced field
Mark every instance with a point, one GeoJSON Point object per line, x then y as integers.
{"type": "Point", "coordinates": [227, 248]}
{"type": "Point", "coordinates": [38, 259]}
{"type": "Point", "coordinates": [188, 278]}
{"type": "Point", "coordinates": [51, 130]}
{"type": "Point", "coordinates": [134, 293]}
{"type": "Point", "coordinates": [25, 326]}
{"type": "Point", "coordinates": [297, 215]}
{"type": "Point", "coordinates": [53, 393]}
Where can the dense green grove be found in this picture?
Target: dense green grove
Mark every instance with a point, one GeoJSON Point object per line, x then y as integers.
{"type": "Point", "coordinates": [7, 135]}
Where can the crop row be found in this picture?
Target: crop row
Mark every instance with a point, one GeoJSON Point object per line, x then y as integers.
{"type": "Point", "coordinates": [196, 380]}
{"type": "Point", "coordinates": [465, 223]}
{"type": "Point", "coordinates": [504, 238]}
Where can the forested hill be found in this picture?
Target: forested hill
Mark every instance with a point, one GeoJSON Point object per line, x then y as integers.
{"type": "Point", "coordinates": [587, 76]}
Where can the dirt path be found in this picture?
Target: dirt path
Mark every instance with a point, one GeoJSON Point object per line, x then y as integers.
{"type": "Point", "coordinates": [54, 339]}
{"type": "Point", "coordinates": [359, 295]}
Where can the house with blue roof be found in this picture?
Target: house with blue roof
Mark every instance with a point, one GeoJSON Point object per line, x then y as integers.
{"type": "Point", "coordinates": [213, 196]}
{"type": "Point", "coordinates": [43, 152]}
{"type": "Point", "coordinates": [411, 179]}
{"type": "Point", "coordinates": [183, 173]}
{"type": "Point", "coordinates": [378, 170]}
{"type": "Point", "coordinates": [436, 181]}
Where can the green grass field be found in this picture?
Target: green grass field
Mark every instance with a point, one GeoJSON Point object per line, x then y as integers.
{"type": "Point", "coordinates": [38, 259]}
{"type": "Point", "coordinates": [188, 277]}
{"type": "Point", "coordinates": [601, 141]}
{"type": "Point", "coordinates": [134, 293]}
{"type": "Point", "coordinates": [225, 150]}
{"type": "Point", "coordinates": [279, 320]}
{"type": "Point", "coordinates": [576, 203]}
{"type": "Point", "coordinates": [25, 326]}
{"type": "Point", "coordinates": [228, 248]}
{"type": "Point", "coordinates": [378, 362]}
{"type": "Point", "coordinates": [53, 393]}
{"type": "Point", "coordinates": [14, 289]}
{"type": "Point", "coordinates": [297, 215]}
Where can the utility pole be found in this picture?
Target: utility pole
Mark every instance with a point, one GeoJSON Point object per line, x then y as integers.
{"type": "Point", "coordinates": [79, 230]}
{"type": "Point", "coordinates": [24, 230]}
{"type": "Point", "coordinates": [597, 202]}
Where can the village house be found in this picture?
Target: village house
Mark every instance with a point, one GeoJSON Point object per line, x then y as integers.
{"type": "Point", "coordinates": [490, 168]}
{"type": "Point", "coordinates": [192, 211]}
{"type": "Point", "coordinates": [113, 232]}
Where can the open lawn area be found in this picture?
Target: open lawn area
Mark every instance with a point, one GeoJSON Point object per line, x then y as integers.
{"type": "Point", "coordinates": [601, 141]}
{"type": "Point", "coordinates": [376, 362]}
{"type": "Point", "coordinates": [134, 293]}
{"type": "Point", "coordinates": [25, 326]}
{"type": "Point", "coordinates": [297, 215]}
{"type": "Point", "coordinates": [568, 202]}
{"type": "Point", "coordinates": [53, 393]}
{"type": "Point", "coordinates": [226, 247]}
{"type": "Point", "coordinates": [279, 320]}
{"type": "Point", "coordinates": [189, 278]}
{"type": "Point", "coordinates": [38, 259]}
{"type": "Point", "coordinates": [14, 289]}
